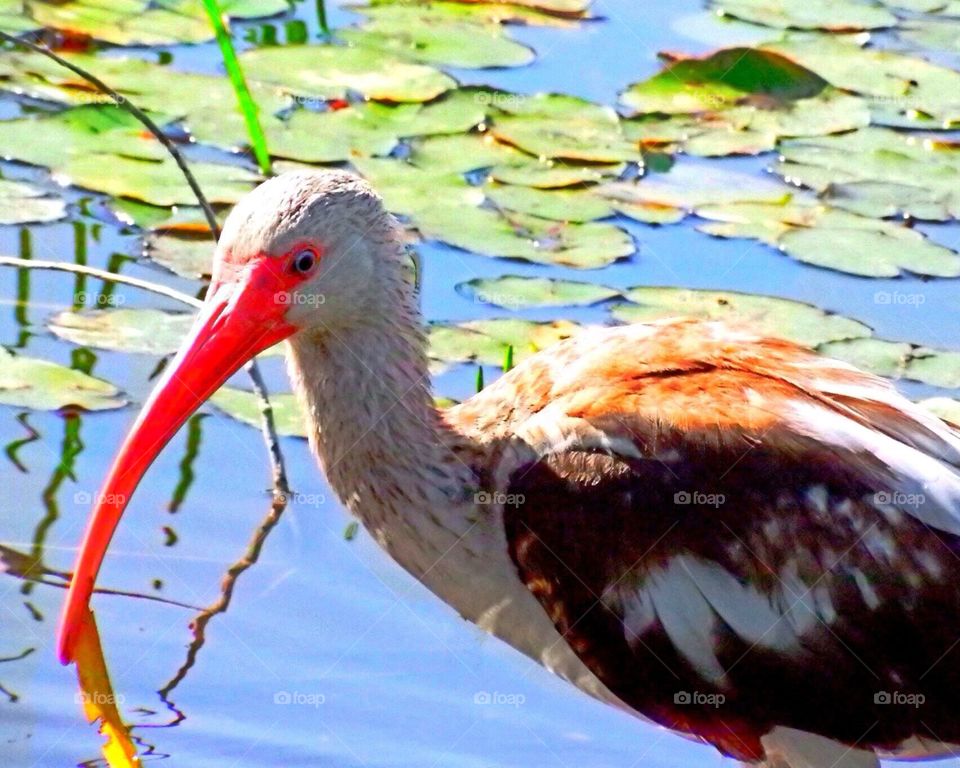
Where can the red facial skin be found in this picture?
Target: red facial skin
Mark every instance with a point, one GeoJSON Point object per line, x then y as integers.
{"type": "Point", "coordinates": [244, 314]}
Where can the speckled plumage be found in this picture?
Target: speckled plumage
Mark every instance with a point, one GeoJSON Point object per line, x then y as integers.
{"type": "Point", "coordinates": [550, 507]}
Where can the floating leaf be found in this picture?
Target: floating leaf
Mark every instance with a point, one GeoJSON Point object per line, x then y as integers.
{"type": "Point", "coordinates": [144, 331]}
{"type": "Point", "coordinates": [143, 22]}
{"type": "Point", "coordinates": [905, 91]}
{"type": "Point", "coordinates": [897, 360]}
{"type": "Point", "coordinates": [13, 21]}
{"type": "Point", "coordinates": [486, 341]}
{"type": "Point", "coordinates": [419, 34]}
{"type": "Point", "coordinates": [552, 174]}
{"type": "Point", "coordinates": [723, 79]}
{"type": "Point", "coordinates": [51, 140]}
{"type": "Point", "coordinates": [554, 126]}
{"type": "Point", "coordinates": [583, 246]}
{"type": "Point", "coordinates": [829, 237]}
{"type": "Point", "coordinates": [688, 186]}
{"type": "Point", "coordinates": [328, 72]}
{"type": "Point", "coordinates": [879, 172]}
{"type": "Point", "coordinates": [97, 696]}
{"type": "Point", "coordinates": [769, 315]}
{"type": "Point", "coordinates": [369, 128]}
{"type": "Point", "coordinates": [578, 205]}
{"type": "Point", "coordinates": [833, 15]}
{"type": "Point", "coordinates": [946, 408]}
{"type": "Point", "coordinates": [515, 292]}
{"type": "Point", "coordinates": [27, 382]}
{"type": "Point", "coordinates": [457, 10]}
{"type": "Point", "coordinates": [157, 183]}
{"type": "Point", "coordinates": [190, 257]}
{"type": "Point", "coordinates": [21, 203]}
{"type": "Point", "coordinates": [463, 153]}
{"type": "Point", "coordinates": [288, 417]}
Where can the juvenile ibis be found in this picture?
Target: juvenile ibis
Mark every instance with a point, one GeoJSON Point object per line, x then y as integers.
{"type": "Point", "coordinates": [724, 533]}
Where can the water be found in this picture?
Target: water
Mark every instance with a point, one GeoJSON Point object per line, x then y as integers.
{"type": "Point", "coordinates": [329, 655]}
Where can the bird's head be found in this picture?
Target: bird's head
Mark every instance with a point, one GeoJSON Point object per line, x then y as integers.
{"type": "Point", "coordinates": [308, 250]}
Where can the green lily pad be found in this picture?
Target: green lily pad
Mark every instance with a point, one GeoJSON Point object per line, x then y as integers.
{"type": "Point", "coordinates": [369, 128]}
{"type": "Point", "coordinates": [143, 22]}
{"type": "Point", "coordinates": [288, 416]}
{"type": "Point", "coordinates": [931, 34]}
{"type": "Point", "coordinates": [878, 172]}
{"type": "Point", "coordinates": [444, 11]}
{"type": "Point", "coordinates": [897, 360]}
{"type": "Point", "coordinates": [27, 382]}
{"type": "Point", "coordinates": [22, 203]}
{"type": "Point", "coordinates": [142, 331]}
{"type": "Point", "coordinates": [553, 174]}
{"type": "Point", "coordinates": [13, 20]}
{"type": "Point", "coordinates": [421, 35]}
{"type": "Point", "coordinates": [770, 315]}
{"type": "Point", "coordinates": [577, 205]}
{"type": "Point", "coordinates": [328, 72]}
{"type": "Point", "coordinates": [190, 257]}
{"type": "Point", "coordinates": [946, 408]}
{"type": "Point", "coordinates": [832, 15]}
{"type": "Point", "coordinates": [519, 236]}
{"type": "Point", "coordinates": [688, 186]}
{"type": "Point", "coordinates": [832, 238]}
{"type": "Point", "coordinates": [515, 292]}
{"type": "Point", "coordinates": [51, 140]}
{"type": "Point", "coordinates": [555, 126]}
{"type": "Point", "coordinates": [723, 79]}
{"type": "Point", "coordinates": [904, 91]}
{"type": "Point", "coordinates": [463, 153]}
{"type": "Point", "coordinates": [187, 220]}
{"type": "Point", "coordinates": [157, 183]}
{"type": "Point", "coordinates": [486, 341]}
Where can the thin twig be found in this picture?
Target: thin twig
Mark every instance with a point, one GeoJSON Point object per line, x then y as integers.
{"type": "Point", "coordinates": [269, 429]}
{"type": "Point", "coordinates": [124, 103]}
{"type": "Point", "coordinates": [102, 274]}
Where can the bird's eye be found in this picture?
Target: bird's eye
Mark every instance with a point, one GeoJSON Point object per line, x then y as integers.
{"type": "Point", "coordinates": [304, 260]}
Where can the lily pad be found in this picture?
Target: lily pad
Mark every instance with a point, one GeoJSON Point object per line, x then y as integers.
{"type": "Point", "coordinates": [904, 91]}
{"type": "Point", "coordinates": [554, 126]}
{"type": "Point", "coordinates": [27, 382]}
{"type": "Point", "coordinates": [897, 360]}
{"type": "Point", "coordinates": [688, 186]}
{"type": "Point", "coordinates": [486, 341]}
{"type": "Point", "coordinates": [831, 15]}
{"type": "Point", "coordinates": [946, 408]}
{"type": "Point", "coordinates": [190, 257]}
{"type": "Point", "coordinates": [22, 203]}
{"type": "Point", "coordinates": [577, 205]}
{"type": "Point", "coordinates": [418, 34]}
{"type": "Point", "coordinates": [832, 238]}
{"type": "Point", "coordinates": [142, 331]}
{"type": "Point", "coordinates": [288, 416]}
{"type": "Point", "coordinates": [369, 128]}
{"type": "Point", "coordinates": [773, 316]}
{"type": "Point", "coordinates": [878, 172]}
{"type": "Point", "coordinates": [515, 292]}
{"type": "Point", "coordinates": [51, 140]}
{"type": "Point", "coordinates": [328, 72]}
{"type": "Point", "coordinates": [723, 79]}
{"type": "Point", "coordinates": [157, 183]}
{"type": "Point", "coordinates": [143, 22]}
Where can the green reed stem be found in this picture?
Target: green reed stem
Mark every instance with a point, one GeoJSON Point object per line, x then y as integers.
{"type": "Point", "coordinates": [248, 107]}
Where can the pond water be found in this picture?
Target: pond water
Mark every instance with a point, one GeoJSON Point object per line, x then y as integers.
{"type": "Point", "coordinates": [329, 655]}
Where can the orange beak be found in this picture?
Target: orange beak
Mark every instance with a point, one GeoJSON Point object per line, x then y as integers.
{"type": "Point", "coordinates": [238, 320]}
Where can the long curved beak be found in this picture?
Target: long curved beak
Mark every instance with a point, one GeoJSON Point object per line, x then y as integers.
{"type": "Point", "coordinates": [238, 320]}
